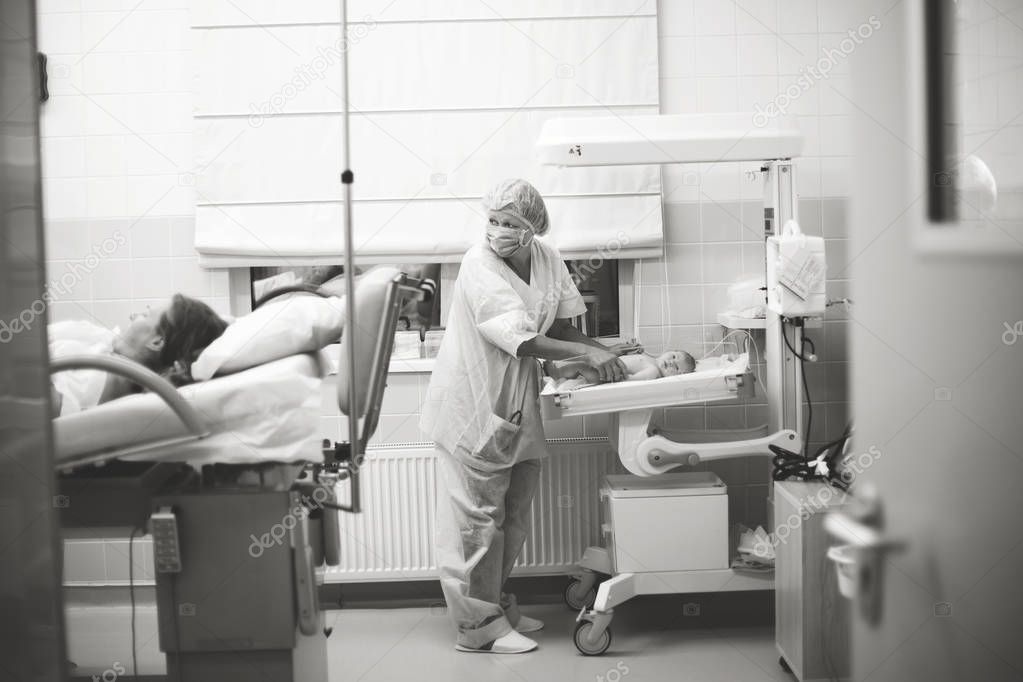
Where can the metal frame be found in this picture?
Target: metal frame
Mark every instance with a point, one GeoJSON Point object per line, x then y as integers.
{"type": "Point", "coordinates": [640, 395]}
{"type": "Point", "coordinates": [147, 379]}
{"type": "Point", "coordinates": [408, 288]}
{"type": "Point", "coordinates": [659, 454]}
{"type": "Point", "coordinates": [784, 371]}
{"type": "Point", "coordinates": [342, 461]}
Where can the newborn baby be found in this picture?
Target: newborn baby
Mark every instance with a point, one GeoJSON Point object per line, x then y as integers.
{"type": "Point", "coordinates": [639, 367]}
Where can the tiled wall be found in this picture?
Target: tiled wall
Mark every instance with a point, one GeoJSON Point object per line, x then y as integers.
{"type": "Point", "coordinates": [720, 56]}
{"type": "Point", "coordinates": [117, 155]}
{"type": "Point", "coordinates": [95, 560]}
{"type": "Point", "coordinates": [723, 56]}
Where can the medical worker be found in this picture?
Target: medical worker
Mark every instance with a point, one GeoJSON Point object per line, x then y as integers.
{"type": "Point", "coordinates": [510, 306]}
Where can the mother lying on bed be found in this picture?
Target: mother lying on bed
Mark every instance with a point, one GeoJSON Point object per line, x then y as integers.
{"type": "Point", "coordinates": [166, 340]}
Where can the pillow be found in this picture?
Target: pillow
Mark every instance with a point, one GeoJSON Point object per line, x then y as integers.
{"type": "Point", "coordinates": [291, 324]}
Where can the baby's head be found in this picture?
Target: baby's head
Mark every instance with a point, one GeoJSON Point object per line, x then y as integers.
{"type": "Point", "coordinates": [675, 362]}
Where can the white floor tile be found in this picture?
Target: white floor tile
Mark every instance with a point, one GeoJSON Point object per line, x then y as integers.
{"type": "Point", "coordinates": [418, 644]}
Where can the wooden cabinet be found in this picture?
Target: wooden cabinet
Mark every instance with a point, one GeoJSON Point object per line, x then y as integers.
{"type": "Point", "coordinates": [812, 620]}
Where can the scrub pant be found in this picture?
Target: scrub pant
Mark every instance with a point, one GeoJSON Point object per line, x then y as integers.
{"type": "Point", "coordinates": [481, 526]}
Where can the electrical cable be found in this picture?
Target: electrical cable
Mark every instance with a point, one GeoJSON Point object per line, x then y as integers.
{"type": "Point", "coordinates": [131, 596]}
{"type": "Point", "coordinates": [172, 579]}
{"type": "Point", "coordinates": [793, 465]}
{"type": "Point", "coordinates": [724, 339]}
{"type": "Point", "coordinates": [801, 466]}
{"type": "Point", "coordinates": [809, 401]}
{"type": "Point", "coordinates": [788, 343]}
{"type": "Point", "coordinates": [750, 341]}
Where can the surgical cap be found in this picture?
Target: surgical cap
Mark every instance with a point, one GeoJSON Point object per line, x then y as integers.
{"type": "Point", "coordinates": [521, 199]}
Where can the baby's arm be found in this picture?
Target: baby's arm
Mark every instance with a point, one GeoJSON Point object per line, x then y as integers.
{"type": "Point", "coordinates": [644, 374]}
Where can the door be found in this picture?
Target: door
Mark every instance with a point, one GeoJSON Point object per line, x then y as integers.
{"type": "Point", "coordinates": [31, 633]}
{"type": "Point", "coordinates": [937, 349]}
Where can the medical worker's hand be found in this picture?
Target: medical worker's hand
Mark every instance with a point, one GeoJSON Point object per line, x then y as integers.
{"type": "Point", "coordinates": [607, 364]}
{"type": "Point", "coordinates": [632, 347]}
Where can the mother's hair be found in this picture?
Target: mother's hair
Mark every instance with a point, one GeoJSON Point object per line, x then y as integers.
{"type": "Point", "coordinates": [187, 327]}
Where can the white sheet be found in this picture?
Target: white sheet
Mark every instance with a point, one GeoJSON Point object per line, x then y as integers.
{"type": "Point", "coordinates": [79, 389]}
{"type": "Point", "coordinates": [268, 413]}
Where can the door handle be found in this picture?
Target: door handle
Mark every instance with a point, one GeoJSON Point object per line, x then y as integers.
{"type": "Point", "coordinates": [44, 78]}
{"type": "Point", "coordinates": [860, 535]}
{"type": "Point", "coordinates": [870, 548]}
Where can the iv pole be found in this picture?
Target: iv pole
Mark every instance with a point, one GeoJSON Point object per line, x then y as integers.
{"type": "Point", "coordinates": [347, 179]}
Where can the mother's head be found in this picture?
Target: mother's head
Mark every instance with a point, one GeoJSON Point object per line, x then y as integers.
{"type": "Point", "coordinates": [167, 340]}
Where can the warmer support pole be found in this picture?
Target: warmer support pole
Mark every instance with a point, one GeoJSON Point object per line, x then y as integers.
{"type": "Point", "coordinates": [784, 371]}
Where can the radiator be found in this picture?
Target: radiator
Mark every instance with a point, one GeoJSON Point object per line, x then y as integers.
{"type": "Point", "coordinates": [392, 539]}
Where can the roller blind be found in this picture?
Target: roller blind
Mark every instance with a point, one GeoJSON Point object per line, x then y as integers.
{"type": "Point", "coordinates": [447, 98]}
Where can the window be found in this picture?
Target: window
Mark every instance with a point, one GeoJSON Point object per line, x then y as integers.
{"type": "Point", "coordinates": [598, 284]}
{"type": "Point", "coordinates": [330, 278]}
{"type": "Point", "coordinates": [974, 151]}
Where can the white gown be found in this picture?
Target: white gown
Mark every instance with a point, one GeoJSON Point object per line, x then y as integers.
{"type": "Point", "coordinates": [79, 389]}
{"type": "Point", "coordinates": [481, 405]}
{"type": "Point", "coordinates": [481, 410]}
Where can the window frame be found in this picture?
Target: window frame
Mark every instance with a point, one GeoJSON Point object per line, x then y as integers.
{"type": "Point", "coordinates": [240, 295]}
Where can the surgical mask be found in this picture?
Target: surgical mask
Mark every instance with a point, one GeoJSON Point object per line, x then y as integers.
{"type": "Point", "coordinates": [507, 240]}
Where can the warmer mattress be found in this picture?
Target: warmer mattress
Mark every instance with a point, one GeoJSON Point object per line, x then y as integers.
{"type": "Point", "coordinates": [269, 413]}
{"type": "Point", "coordinates": [714, 379]}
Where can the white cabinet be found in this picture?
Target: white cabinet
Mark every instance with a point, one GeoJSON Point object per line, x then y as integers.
{"type": "Point", "coordinates": [812, 620]}
{"type": "Point", "coordinates": [672, 522]}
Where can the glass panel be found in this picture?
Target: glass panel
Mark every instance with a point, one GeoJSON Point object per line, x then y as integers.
{"type": "Point", "coordinates": [975, 113]}
{"type": "Point", "coordinates": [598, 283]}
{"type": "Point", "coordinates": [989, 97]}
{"type": "Point", "coordinates": [330, 278]}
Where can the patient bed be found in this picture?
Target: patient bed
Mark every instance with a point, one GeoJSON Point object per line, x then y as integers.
{"type": "Point", "coordinates": [643, 448]}
{"type": "Point", "coordinates": [268, 413]}
{"type": "Point", "coordinates": [240, 495]}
